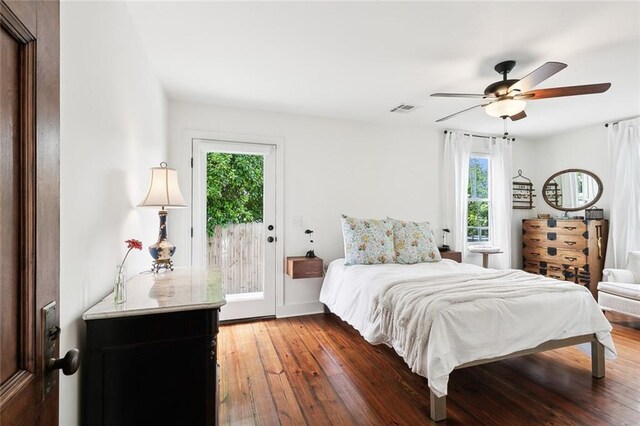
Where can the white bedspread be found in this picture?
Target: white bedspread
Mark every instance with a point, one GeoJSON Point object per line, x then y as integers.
{"type": "Point", "coordinates": [470, 313]}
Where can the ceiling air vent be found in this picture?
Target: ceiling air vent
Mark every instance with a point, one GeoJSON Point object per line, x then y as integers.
{"type": "Point", "coordinates": [404, 108]}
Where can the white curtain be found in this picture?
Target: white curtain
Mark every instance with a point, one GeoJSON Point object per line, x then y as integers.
{"type": "Point", "coordinates": [500, 196]}
{"type": "Point", "coordinates": [457, 148]}
{"type": "Point", "coordinates": [589, 188]}
{"type": "Point", "coordinates": [624, 222]}
{"type": "Point", "coordinates": [569, 185]}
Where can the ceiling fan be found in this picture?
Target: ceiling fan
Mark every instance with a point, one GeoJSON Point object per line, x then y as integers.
{"type": "Point", "coordinates": [508, 97]}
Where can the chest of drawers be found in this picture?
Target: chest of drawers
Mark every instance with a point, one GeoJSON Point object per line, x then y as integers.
{"type": "Point", "coordinates": [566, 249]}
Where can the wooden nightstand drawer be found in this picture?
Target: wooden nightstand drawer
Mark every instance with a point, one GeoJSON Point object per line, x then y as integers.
{"type": "Point", "coordinates": [304, 267]}
{"type": "Point", "coordinates": [453, 255]}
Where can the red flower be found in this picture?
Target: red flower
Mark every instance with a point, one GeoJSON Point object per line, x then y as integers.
{"type": "Point", "coordinates": [134, 244]}
{"type": "Point", "coordinates": [131, 244]}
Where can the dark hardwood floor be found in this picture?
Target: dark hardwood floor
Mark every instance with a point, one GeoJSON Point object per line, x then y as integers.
{"type": "Point", "coordinates": [318, 370]}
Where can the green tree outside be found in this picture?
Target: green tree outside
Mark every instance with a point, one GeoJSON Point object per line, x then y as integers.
{"type": "Point", "coordinates": [478, 194]}
{"type": "Point", "coordinates": [234, 189]}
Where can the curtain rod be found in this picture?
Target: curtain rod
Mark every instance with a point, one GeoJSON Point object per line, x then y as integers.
{"type": "Point", "coordinates": [616, 122]}
{"type": "Point", "coordinates": [484, 137]}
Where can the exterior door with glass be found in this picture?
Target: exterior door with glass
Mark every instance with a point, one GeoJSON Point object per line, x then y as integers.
{"type": "Point", "coordinates": [234, 226]}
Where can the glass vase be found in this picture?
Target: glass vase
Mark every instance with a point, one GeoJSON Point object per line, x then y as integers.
{"type": "Point", "coordinates": [120, 285]}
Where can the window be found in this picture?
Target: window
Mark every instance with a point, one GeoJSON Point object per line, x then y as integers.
{"type": "Point", "coordinates": [478, 199]}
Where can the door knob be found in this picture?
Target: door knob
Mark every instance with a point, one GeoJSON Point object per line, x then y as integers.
{"type": "Point", "coordinates": [271, 239]}
{"type": "Point", "coordinates": [270, 227]}
{"type": "Point", "coordinates": [69, 364]}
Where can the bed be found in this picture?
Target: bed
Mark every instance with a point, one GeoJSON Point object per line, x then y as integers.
{"type": "Point", "coordinates": [445, 315]}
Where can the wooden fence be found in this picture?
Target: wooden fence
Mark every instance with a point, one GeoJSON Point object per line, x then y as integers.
{"type": "Point", "coordinates": [238, 249]}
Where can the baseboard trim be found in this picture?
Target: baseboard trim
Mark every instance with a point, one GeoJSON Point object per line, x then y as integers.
{"type": "Point", "coordinates": [298, 309]}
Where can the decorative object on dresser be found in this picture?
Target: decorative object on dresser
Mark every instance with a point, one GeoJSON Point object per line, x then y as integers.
{"type": "Point", "coordinates": [305, 267]}
{"type": "Point", "coordinates": [120, 286]}
{"type": "Point", "coordinates": [153, 360]}
{"type": "Point", "coordinates": [453, 255]}
{"type": "Point", "coordinates": [566, 249]}
{"type": "Point", "coordinates": [163, 192]}
{"type": "Point", "coordinates": [523, 192]}
{"type": "Point", "coordinates": [572, 190]}
{"type": "Point", "coordinates": [593, 213]}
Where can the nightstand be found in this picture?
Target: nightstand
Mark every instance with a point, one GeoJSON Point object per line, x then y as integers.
{"type": "Point", "coordinates": [304, 267]}
{"type": "Point", "coordinates": [453, 255]}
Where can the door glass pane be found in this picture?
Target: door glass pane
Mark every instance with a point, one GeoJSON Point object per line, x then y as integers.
{"type": "Point", "coordinates": [235, 228]}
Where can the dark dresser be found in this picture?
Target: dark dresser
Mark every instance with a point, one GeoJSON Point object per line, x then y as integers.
{"type": "Point", "coordinates": [152, 360]}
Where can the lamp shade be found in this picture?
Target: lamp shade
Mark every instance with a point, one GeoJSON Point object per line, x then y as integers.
{"type": "Point", "coordinates": [505, 107]}
{"type": "Point", "coordinates": [163, 191]}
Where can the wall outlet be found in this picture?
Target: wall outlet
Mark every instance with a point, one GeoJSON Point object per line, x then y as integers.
{"type": "Point", "coordinates": [296, 221]}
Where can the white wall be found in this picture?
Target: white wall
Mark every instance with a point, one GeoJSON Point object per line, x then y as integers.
{"type": "Point", "coordinates": [524, 154]}
{"type": "Point", "coordinates": [330, 167]}
{"type": "Point", "coordinates": [584, 148]}
{"type": "Point", "coordinates": [113, 128]}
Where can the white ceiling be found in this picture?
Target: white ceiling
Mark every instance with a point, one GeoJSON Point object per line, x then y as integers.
{"type": "Point", "coordinates": [358, 60]}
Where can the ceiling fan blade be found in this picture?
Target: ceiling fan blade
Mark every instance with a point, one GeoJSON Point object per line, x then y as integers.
{"type": "Point", "coordinates": [459, 95]}
{"type": "Point", "coordinates": [556, 92]}
{"type": "Point", "coordinates": [518, 116]}
{"type": "Point", "coordinates": [537, 76]}
{"type": "Point", "coordinates": [460, 112]}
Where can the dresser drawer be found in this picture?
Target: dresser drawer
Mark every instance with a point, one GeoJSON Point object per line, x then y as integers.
{"type": "Point", "coordinates": [555, 275]}
{"type": "Point", "coordinates": [565, 227]}
{"type": "Point", "coordinates": [555, 256]}
{"type": "Point", "coordinates": [533, 267]}
{"type": "Point", "coordinates": [554, 239]}
{"type": "Point", "coordinates": [569, 227]}
{"type": "Point", "coordinates": [553, 268]}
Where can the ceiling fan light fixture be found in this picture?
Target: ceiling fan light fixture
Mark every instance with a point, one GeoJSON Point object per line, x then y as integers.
{"type": "Point", "coordinates": [505, 107]}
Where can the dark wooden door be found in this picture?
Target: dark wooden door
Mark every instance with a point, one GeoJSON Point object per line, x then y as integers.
{"type": "Point", "coordinates": [29, 210]}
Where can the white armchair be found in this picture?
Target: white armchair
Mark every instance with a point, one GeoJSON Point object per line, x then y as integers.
{"type": "Point", "coordinates": [620, 290]}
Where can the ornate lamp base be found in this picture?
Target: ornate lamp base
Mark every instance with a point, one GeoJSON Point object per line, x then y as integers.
{"type": "Point", "coordinates": [162, 250]}
{"type": "Point", "coordinates": [161, 263]}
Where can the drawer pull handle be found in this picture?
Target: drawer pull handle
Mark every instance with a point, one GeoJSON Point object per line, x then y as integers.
{"type": "Point", "coordinates": [556, 277]}
{"type": "Point", "coordinates": [569, 228]}
{"type": "Point", "coordinates": [554, 268]}
{"type": "Point", "coordinates": [535, 254]}
{"type": "Point", "coordinates": [570, 243]}
{"type": "Point", "coordinates": [535, 226]}
{"type": "Point", "coordinates": [535, 240]}
{"type": "Point", "coordinates": [571, 259]}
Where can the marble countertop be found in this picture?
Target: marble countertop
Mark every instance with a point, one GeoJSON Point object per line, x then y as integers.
{"type": "Point", "coordinates": [183, 289]}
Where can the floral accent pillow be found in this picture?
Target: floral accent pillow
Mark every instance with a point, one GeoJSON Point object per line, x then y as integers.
{"type": "Point", "coordinates": [414, 242]}
{"type": "Point", "coordinates": [367, 241]}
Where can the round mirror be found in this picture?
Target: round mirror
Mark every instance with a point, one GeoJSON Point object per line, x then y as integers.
{"type": "Point", "coordinates": [572, 189]}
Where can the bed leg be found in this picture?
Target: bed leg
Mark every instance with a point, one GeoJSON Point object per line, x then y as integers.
{"type": "Point", "coordinates": [597, 359]}
{"type": "Point", "coordinates": [438, 407]}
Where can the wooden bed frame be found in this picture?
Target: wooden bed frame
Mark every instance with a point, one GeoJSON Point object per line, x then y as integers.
{"type": "Point", "coordinates": [439, 404]}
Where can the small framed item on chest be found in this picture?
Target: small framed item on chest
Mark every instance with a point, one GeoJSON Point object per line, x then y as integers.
{"type": "Point", "coordinates": [594, 213]}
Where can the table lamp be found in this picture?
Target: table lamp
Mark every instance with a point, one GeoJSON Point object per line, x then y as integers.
{"type": "Point", "coordinates": [164, 193]}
